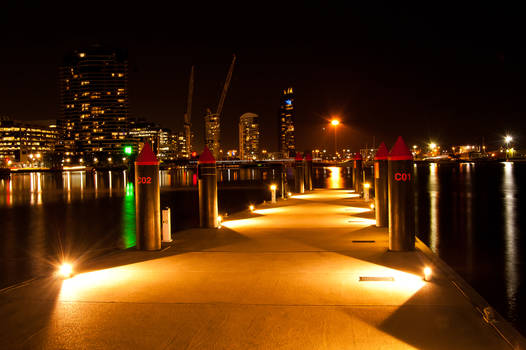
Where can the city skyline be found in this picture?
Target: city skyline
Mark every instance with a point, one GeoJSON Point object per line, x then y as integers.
{"type": "Point", "coordinates": [430, 75]}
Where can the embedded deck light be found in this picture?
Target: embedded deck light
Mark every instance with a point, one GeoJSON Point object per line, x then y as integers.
{"type": "Point", "coordinates": [427, 274]}
{"type": "Point", "coordinates": [65, 270]}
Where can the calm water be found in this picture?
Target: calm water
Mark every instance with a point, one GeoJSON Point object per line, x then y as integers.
{"type": "Point", "coordinates": [469, 214]}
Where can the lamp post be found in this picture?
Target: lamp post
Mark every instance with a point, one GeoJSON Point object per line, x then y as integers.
{"type": "Point", "coordinates": [335, 123]}
{"type": "Point", "coordinates": [507, 139]}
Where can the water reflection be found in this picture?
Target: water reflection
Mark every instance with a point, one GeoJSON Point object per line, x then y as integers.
{"type": "Point", "coordinates": [335, 179]}
{"type": "Point", "coordinates": [433, 188]}
{"type": "Point", "coordinates": [510, 235]}
{"type": "Point", "coordinates": [128, 218]}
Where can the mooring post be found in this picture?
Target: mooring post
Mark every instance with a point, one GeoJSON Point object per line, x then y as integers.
{"type": "Point", "coordinates": [401, 210]}
{"type": "Point", "coordinates": [299, 180]}
{"type": "Point", "coordinates": [380, 186]}
{"type": "Point", "coordinates": [207, 175]}
{"type": "Point", "coordinates": [308, 172]}
{"type": "Point", "coordinates": [283, 182]}
{"type": "Point", "coordinates": [147, 200]}
{"type": "Point", "coordinates": [358, 173]}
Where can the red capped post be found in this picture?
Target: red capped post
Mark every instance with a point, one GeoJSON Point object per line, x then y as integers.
{"type": "Point", "coordinates": [381, 186]}
{"type": "Point", "coordinates": [401, 202]}
{"type": "Point", "coordinates": [147, 200]}
{"type": "Point", "coordinates": [299, 177]}
{"type": "Point", "coordinates": [207, 175]}
{"type": "Point", "coordinates": [358, 173]}
{"type": "Point", "coordinates": [308, 172]}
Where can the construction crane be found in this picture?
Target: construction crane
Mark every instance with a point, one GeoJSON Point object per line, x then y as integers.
{"type": "Point", "coordinates": [225, 88]}
{"type": "Point", "coordinates": [212, 120]}
{"type": "Point", "coordinates": [188, 113]}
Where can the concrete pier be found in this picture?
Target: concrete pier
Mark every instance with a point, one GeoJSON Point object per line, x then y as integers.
{"type": "Point", "coordinates": [312, 272]}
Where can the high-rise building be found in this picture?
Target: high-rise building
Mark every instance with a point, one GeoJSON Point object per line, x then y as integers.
{"type": "Point", "coordinates": [25, 142]}
{"type": "Point", "coordinates": [94, 102]}
{"type": "Point", "coordinates": [286, 141]}
{"type": "Point", "coordinates": [248, 136]}
{"type": "Point", "coordinates": [212, 133]}
{"type": "Point", "coordinates": [162, 140]}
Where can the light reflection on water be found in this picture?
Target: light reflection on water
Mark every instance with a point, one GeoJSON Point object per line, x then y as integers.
{"type": "Point", "coordinates": [510, 235]}
{"type": "Point", "coordinates": [434, 191]}
{"type": "Point", "coordinates": [335, 179]}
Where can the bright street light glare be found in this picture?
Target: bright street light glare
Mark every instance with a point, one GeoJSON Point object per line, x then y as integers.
{"type": "Point", "coordinates": [65, 270]}
{"type": "Point", "coordinates": [335, 122]}
{"type": "Point", "coordinates": [508, 139]}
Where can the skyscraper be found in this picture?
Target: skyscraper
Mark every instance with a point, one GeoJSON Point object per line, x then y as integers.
{"type": "Point", "coordinates": [212, 133]}
{"type": "Point", "coordinates": [287, 146]}
{"type": "Point", "coordinates": [94, 102]}
{"type": "Point", "coordinates": [248, 136]}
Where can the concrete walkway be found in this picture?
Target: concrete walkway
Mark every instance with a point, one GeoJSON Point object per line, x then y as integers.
{"type": "Point", "coordinates": [284, 277]}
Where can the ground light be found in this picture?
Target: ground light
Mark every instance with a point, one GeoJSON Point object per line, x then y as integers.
{"type": "Point", "coordinates": [65, 270]}
{"type": "Point", "coordinates": [427, 273]}
{"type": "Point", "coordinates": [251, 207]}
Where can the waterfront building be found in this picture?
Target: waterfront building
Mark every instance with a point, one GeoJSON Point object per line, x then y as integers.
{"type": "Point", "coordinates": [163, 141]}
{"type": "Point", "coordinates": [248, 136]}
{"type": "Point", "coordinates": [213, 133]}
{"type": "Point", "coordinates": [94, 102]}
{"type": "Point", "coordinates": [181, 144]}
{"type": "Point", "coordinates": [27, 142]}
{"type": "Point", "coordinates": [286, 140]}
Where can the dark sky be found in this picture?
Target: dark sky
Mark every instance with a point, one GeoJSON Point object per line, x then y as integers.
{"type": "Point", "coordinates": [435, 72]}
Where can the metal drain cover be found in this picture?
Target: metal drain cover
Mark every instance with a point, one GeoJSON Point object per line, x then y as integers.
{"type": "Point", "coordinates": [376, 279]}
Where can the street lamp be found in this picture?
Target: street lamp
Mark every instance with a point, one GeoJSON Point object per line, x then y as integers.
{"type": "Point", "coordinates": [335, 123]}
{"type": "Point", "coordinates": [507, 139]}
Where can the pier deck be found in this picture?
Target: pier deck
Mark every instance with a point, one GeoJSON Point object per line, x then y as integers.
{"type": "Point", "coordinates": [284, 277]}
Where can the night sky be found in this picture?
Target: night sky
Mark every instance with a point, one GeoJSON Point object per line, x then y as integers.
{"type": "Point", "coordinates": [448, 74]}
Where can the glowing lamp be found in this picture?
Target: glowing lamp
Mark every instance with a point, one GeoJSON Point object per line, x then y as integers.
{"type": "Point", "coordinates": [273, 187]}
{"type": "Point", "coordinates": [289, 194]}
{"type": "Point", "coordinates": [128, 150]}
{"type": "Point", "coordinates": [65, 270]}
{"type": "Point", "coordinates": [335, 122]}
{"type": "Point", "coordinates": [427, 273]}
{"type": "Point", "coordinates": [372, 206]}
{"type": "Point", "coordinates": [251, 207]}
{"type": "Point", "coordinates": [219, 221]}
{"type": "Point", "coordinates": [366, 185]}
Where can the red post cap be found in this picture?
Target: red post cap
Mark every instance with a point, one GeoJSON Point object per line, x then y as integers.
{"type": "Point", "coordinates": [206, 157]}
{"type": "Point", "coordinates": [147, 157]}
{"type": "Point", "coordinates": [358, 156]}
{"type": "Point", "coordinates": [298, 156]}
{"type": "Point", "coordinates": [308, 157]}
{"type": "Point", "coordinates": [400, 151]}
{"type": "Point", "coordinates": [382, 153]}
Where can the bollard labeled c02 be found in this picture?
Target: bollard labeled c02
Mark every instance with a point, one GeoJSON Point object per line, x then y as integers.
{"type": "Point", "coordinates": [147, 200]}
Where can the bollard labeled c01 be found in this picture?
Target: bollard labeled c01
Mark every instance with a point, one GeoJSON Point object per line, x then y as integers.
{"type": "Point", "coordinates": [401, 206]}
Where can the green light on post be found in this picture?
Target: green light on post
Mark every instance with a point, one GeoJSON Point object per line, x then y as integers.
{"type": "Point", "coordinates": [128, 150]}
